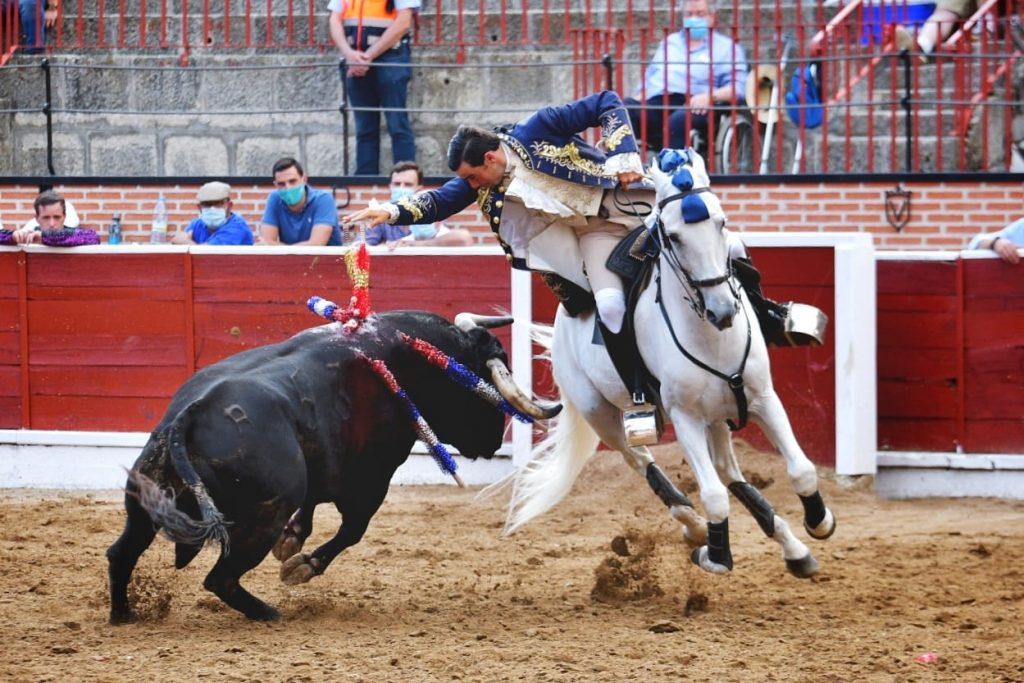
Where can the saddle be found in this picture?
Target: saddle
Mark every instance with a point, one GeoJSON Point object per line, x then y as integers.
{"type": "Point", "coordinates": [632, 260]}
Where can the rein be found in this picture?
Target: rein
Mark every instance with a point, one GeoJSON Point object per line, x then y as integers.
{"type": "Point", "coordinates": [734, 381]}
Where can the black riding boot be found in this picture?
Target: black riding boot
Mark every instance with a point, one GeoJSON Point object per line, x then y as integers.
{"type": "Point", "coordinates": [770, 315]}
{"type": "Point", "coordinates": [642, 423]}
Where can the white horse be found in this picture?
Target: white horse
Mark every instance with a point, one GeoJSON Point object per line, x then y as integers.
{"type": "Point", "coordinates": [692, 312]}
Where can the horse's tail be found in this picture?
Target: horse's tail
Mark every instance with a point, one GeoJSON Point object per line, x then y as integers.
{"type": "Point", "coordinates": [175, 524]}
{"type": "Point", "coordinates": [555, 462]}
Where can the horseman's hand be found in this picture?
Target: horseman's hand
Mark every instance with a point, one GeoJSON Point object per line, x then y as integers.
{"type": "Point", "coordinates": [372, 215]}
{"type": "Point", "coordinates": [627, 178]}
{"type": "Point", "coordinates": [699, 104]}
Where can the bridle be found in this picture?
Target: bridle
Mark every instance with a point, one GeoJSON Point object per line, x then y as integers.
{"type": "Point", "coordinates": [695, 297]}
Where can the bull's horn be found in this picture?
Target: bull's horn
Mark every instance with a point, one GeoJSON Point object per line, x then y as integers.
{"type": "Point", "coordinates": [502, 379]}
{"type": "Point", "coordinates": [467, 321]}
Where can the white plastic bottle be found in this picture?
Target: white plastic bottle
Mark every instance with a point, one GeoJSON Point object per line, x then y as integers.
{"type": "Point", "coordinates": [159, 232]}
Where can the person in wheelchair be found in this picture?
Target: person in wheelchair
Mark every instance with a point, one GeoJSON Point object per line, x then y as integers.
{"type": "Point", "coordinates": [692, 70]}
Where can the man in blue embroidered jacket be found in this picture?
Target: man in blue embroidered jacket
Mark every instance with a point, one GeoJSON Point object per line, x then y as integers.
{"type": "Point", "coordinates": [545, 192]}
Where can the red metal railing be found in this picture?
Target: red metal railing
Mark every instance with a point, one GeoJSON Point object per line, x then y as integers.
{"type": "Point", "coordinates": [951, 113]}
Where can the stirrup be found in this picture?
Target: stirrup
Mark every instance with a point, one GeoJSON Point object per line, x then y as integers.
{"type": "Point", "coordinates": [802, 325]}
{"type": "Point", "coordinates": [641, 423]}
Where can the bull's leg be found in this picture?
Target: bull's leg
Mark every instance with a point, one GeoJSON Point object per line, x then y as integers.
{"type": "Point", "coordinates": [715, 556]}
{"type": "Point", "coordinates": [770, 415]}
{"type": "Point", "coordinates": [295, 533]}
{"type": "Point", "coordinates": [605, 419]}
{"type": "Point", "coordinates": [357, 504]}
{"type": "Point", "coordinates": [250, 543]}
{"type": "Point", "coordinates": [798, 557]}
{"type": "Point", "coordinates": [123, 555]}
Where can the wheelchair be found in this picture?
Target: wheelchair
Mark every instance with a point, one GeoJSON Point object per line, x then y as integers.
{"type": "Point", "coordinates": [735, 149]}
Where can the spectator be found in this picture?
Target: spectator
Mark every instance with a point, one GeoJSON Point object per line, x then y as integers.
{"type": "Point", "coordinates": [71, 219]}
{"type": "Point", "coordinates": [407, 180]}
{"type": "Point", "coordinates": [50, 215]}
{"type": "Point", "coordinates": [217, 223]}
{"type": "Point", "coordinates": [1006, 242]}
{"type": "Point", "coordinates": [948, 15]}
{"type": "Point", "coordinates": [369, 33]}
{"type": "Point", "coordinates": [296, 214]}
{"type": "Point", "coordinates": [691, 70]}
{"type": "Point", "coordinates": [35, 17]}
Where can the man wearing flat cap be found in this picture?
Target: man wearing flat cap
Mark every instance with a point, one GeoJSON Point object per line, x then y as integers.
{"type": "Point", "coordinates": [217, 223]}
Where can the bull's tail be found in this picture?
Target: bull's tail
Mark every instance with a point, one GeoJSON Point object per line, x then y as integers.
{"type": "Point", "coordinates": [555, 462]}
{"type": "Point", "coordinates": [175, 524]}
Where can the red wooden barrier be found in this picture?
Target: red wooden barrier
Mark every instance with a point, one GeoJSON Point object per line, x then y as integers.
{"type": "Point", "coordinates": [111, 336]}
{"type": "Point", "coordinates": [950, 355]}
{"type": "Point", "coordinates": [803, 377]}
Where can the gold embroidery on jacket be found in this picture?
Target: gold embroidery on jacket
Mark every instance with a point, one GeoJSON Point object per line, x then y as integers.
{"type": "Point", "coordinates": [518, 148]}
{"type": "Point", "coordinates": [568, 156]}
{"type": "Point", "coordinates": [416, 205]}
{"type": "Point", "coordinates": [616, 137]}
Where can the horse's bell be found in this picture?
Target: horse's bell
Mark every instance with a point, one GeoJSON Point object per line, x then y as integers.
{"type": "Point", "coordinates": [640, 424]}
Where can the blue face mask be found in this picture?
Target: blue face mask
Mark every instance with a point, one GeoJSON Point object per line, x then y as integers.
{"type": "Point", "coordinates": [400, 192]}
{"type": "Point", "coordinates": [213, 216]}
{"type": "Point", "coordinates": [423, 232]}
{"type": "Point", "coordinates": [697, 27]}
{"type": "Point", "coordinates": [292, 195]}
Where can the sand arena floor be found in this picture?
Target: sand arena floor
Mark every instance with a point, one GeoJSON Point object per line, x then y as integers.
{"type": "Point", "coordinates": [435, 593]}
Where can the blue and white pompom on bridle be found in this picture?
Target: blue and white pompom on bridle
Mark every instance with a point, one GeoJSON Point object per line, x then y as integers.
{"type": "Point", "coordinates": [676, 162]}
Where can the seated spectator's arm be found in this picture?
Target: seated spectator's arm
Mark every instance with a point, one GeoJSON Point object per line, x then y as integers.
{"type": "Point", "coordinates": [1007, 250]}
{"type": "Point", "coordinates": [318, 236]}
{"type": "Point", "coordinates": [270, 236]}
{"type": "Point", "coordinates": [182, 237]}
{"type": "Point", "coordinates": [27, 235]}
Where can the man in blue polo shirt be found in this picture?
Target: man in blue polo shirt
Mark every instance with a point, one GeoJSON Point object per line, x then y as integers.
{"type": "Point", "coordinates": [296, 214]}
{"type": "Point", "coordinates": [217, 223]}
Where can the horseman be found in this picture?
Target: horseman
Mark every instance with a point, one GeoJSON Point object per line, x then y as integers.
{"type": "Point", "coordinates": [560, 206]}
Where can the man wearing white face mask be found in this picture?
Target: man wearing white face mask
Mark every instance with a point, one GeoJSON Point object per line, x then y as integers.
{"type": "Point", "coordinates": [407, 180]}
{"type": "Point", "coordinates": [691, 70]}
{"type": "Point", "coordinates": [217, 223]}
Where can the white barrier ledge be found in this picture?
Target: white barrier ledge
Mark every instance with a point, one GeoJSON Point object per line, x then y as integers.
{"type": "Point", "coordinates": [903, 475]}
{"type": "Point", "coordinates": [42, 459]}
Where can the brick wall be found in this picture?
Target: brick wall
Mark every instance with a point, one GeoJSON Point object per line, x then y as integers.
{"type": "Point", "coordinates": [943, 215]}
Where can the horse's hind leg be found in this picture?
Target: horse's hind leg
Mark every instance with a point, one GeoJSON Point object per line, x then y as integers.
{"type": "Point", "coordinates": [123, 555]}
{"type": "Point", "coordinates": [606, 421]}
{"type": "Point", "coordinates": [771, 417]}
{"type": "Point", "coordinates": [798, 557]}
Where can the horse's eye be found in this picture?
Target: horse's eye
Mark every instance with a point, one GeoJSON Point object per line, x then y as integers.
{"type": "Point", "coordinates": [674, 238]}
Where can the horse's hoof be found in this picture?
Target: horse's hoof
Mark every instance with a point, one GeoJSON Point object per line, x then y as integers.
{"type": "Point", "coordinates": [699, 556]}
{"type": "Point", "coordinates": [695, 537]}
{"type": "Point", "coordinates": [287, 546]}
{"type": "Point", "coordinates": [298, 569]}
{"type": "Point", "coordinates": [804, 567]}
{"type": "Point", "coordinates": [826, 528]}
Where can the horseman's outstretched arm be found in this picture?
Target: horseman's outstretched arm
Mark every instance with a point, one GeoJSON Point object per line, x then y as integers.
{"type": "Point", "coordinates": [432, 205]}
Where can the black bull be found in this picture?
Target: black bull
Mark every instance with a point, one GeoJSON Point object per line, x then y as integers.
{"type": "Point", "coordinates": [257, 436]}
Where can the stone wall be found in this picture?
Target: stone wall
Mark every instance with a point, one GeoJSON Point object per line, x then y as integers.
{"type": "Point", "coordinates": [120, 115]}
